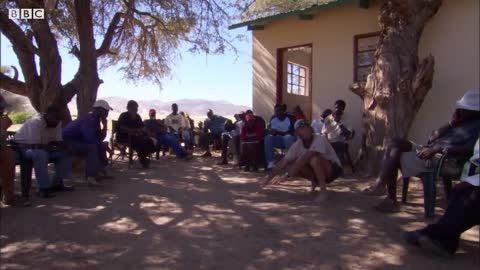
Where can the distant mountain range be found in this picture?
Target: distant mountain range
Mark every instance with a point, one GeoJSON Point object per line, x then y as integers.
{"type": "Point", "coordinates": [194, 107]}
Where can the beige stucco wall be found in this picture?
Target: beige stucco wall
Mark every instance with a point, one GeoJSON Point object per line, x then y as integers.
{"type": "Point", "coordinates": [452, 37]}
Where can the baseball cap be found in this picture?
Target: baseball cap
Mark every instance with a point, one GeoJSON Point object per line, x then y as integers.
{"type": "Point", "coordinates": [152, 111]}
{"type": "Point", "coordinates": [470, 101]}
{"type": "Point", "coordinates": [301, 123]}
{"type": "Point", "coordinates": [102, 104]}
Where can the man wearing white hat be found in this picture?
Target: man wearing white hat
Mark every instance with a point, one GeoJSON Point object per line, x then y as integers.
{"type": "Point", "coordinates": [456, 137]}
{"type": "Point", "coordinates": [85, 137]}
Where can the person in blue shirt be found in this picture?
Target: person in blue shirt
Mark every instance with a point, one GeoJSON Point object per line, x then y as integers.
{"type": "Point", "coordinates": [85, 136]}
{"type": "Point", "coordinates": [280, 134]}
{"type": "Point", "coordinates": [213, 128]}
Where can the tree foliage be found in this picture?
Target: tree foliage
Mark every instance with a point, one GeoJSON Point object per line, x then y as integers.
{"type": "Point", "coordinates": [140, 37]}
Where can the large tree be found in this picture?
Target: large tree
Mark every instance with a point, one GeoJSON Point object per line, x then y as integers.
{"type": "Point", "coordinates": [399, 82]}
{"type": "Point", "coordinates": [140, 37]}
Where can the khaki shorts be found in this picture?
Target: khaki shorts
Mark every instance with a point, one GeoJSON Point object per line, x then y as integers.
{"type": "Point", "coordinates": [412, 165]}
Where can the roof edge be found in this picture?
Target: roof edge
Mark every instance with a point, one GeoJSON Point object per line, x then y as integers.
{"type": "Point", "coordinates": [290, 13]}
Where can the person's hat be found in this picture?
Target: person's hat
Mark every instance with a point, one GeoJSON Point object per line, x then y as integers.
{"type": "Point", "coordinates": [249, 117]}
{"type": "Point", "coordinates": [152, 111]}
{"type": "Point", "coordinates": [470, 101]}
{"type": "Point", "coordinates": [102, 104]}
{"type": "Point", "coordinates": [301, 123]}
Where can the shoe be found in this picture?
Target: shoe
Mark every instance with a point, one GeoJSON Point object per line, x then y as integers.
{"type": "Point", "coordinates": [433, 246]}
{"type": "Point", "coordinates": [412, 238]}
{"type": "Point", "coordinates": [62, 188]}
{"type": "Point", "coordinates": [45, 194]}
{"type": "Point", "coordinates": [223, 162]}
{"type": "Point", "coordinates": [207, 154]}
{"type": "Point", "coordinates": [19, 201]}
{"type": "Point", "coordinates": [91, 181]}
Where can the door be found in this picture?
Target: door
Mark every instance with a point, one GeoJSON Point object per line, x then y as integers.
{"type": "Point", "coordinates": [295, 83]}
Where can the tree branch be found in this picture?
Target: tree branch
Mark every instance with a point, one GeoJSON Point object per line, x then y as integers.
{"type": "Point", "coordinates": [15, 34]}
{"type": "Point", "coordinates": [12, 85]}
{"type": "Point", "coordinates": [358, 88]}
{"type": "Point", "coordinates": [107, 40]}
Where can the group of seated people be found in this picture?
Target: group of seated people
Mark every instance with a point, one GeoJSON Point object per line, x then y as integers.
{"type": "Point", "coordinates": [311, 153]}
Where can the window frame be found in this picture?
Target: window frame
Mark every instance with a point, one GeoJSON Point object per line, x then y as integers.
{"type": "Point", "coordinates": [357, 52]}
{"type": "Point", "coordinates": [302, 90]}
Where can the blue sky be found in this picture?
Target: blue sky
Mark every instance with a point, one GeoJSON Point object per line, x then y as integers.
{"type": "Point", "coordinates": [198, 76]}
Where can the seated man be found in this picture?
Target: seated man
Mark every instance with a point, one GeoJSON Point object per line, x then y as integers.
{"type": "Point", "coordinates": [131, 130]}
{"type": "Point", "coordinates": [250, 137]}
{"type": "Point", "coordinates": [317, 124]}
{"type": "Point", "coordinates": [40, 140]}
{"type": "Point", "coordinates": [280, 134]}
{"type": "Point", "coordinates": [457, 137]}
{"type": "Point", "coordinates": [85, 136]}
{"type": "Point", "coordinates": [177, 124]}
{"type": "Point", "coordinates": [336, 127]}
{"type": "Point", "coordinates": [462, 213]}
{"type": "Point", "coordinates": [310, 157]}
{"type": "Point", "coordinates": [213, 128]}
{"type": "Point", "coordinates": [158, 131]}
{"type": "Point", "coordinates": [299, 114]}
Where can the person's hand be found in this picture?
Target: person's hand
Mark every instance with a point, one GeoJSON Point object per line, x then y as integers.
{"type": "Point", "coordinates": [427, 153]}
{"type": "Point", "coordinates": [104, 122]}
{"type": "Point", "coordinates": [279, 179]}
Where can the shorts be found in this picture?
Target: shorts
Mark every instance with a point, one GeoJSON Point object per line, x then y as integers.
{"type": "Point", "coordinates": [336, 172]}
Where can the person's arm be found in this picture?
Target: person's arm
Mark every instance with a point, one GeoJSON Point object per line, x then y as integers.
{"type": "Point", "coordinates": [103, 129]}
{"type": "Point", "coordinates": [243, 133]}
{"type": "Point", "coordinates": [435, 134]}
{"type": "Point", "coordinates": [279, 167]}
{"type": "Point", "coordinates": [90, 130]}
{"type": "Point", "coordinates": [301, 162]}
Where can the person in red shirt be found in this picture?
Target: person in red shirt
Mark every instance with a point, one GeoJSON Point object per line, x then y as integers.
{"type": "Point", "coordinates": [251, 135]}
{"type": "Point", "coordinates": [299, 115]}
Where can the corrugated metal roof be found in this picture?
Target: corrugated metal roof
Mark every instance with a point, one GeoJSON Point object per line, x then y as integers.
{"type": "Point", "coordinates": [258, 16]}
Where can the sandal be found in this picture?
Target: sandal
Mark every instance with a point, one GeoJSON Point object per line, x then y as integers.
{"type": "Point", "coordinates": [388, 206]}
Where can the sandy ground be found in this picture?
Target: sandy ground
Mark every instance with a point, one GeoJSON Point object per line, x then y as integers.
{"type": "Point", "coordinates": [197, 215]}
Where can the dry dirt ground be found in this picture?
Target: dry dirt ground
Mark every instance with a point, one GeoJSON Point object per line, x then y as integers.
{"type": "Point", "coordinates": [197, 215]}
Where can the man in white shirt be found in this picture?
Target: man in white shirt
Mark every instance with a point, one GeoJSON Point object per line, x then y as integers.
{"type": "Point", "coordinates": [318, 124]}
{"type": "Point", "coordinates": [280, 134]}
{"type": "Point", "coordinates": [40, 140]}
{"type": "Point", "coordinates": [462, 213]}
{"type": "Point", "coordinates": [336, 127]}
{"type": "Point", "coordinates": [310, 157]}
{"type": "Point", "coordinates": [175, 121]}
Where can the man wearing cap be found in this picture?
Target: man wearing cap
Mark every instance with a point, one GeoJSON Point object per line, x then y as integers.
{"type": "Point", "coordinates": [311, 157]}
{"type": "Point", "coordinates": [85, 137]}
{"type": "Point", "coordinates": [458, 137]}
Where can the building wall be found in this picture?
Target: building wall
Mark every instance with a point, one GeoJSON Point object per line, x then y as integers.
{"type": "Point", "coordinates": [452, 37]}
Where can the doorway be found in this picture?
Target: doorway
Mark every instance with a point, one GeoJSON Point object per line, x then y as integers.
{"type": "Point", "coordinates": [294, 78]}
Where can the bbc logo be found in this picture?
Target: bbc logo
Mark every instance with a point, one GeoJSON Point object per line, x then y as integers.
{"type": "Point", "coordinates": [26, 13]}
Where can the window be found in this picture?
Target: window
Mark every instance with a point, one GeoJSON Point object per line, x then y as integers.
{"type": "Point", "coordinates": [297, 79]}
{"type": "Point", "coordinates": [364, 57]}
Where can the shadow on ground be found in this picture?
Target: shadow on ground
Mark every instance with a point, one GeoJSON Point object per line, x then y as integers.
{"type": "Point", "coordinates": [196, 215]}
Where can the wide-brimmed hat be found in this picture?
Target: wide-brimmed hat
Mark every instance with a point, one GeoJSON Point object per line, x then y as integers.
{"type": "Point", "coordinates": [102, 104]}
{"type": "Point", "coordinates": [470, 101]}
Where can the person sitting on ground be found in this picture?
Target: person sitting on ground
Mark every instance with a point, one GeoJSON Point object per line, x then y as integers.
{"type": "Point", "coordinates": [317, 124]}
{"type": "Point", "coordinates": [159, 132]}
{"type": "Point", "coordinates": [213, 128]}
{"type": "Point", "coordinates": [280, 134]}
{"type": "Point", "coordinates": [336, 127]}
{"type": "Point", "coordinates": [85, 136]}
{"type": "Point", "coordinates": [251, 135]}
{"type": "Point", "coordinates": [40, 140]}
{"type": "Point", "coordinates": [462, 213]}
{"type": "Point", "coordinates": [298, 113]}
{"type": "Point", "coordinates": [130, 130]}
{"type": "Point", "coordinates": [310, 157]}
{"type": "Point", "coordinates": [7, 163]}
{"type": "Point", "coordinates": [457, 137]}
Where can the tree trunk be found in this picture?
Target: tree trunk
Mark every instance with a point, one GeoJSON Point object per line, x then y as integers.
{"type": "Point", "coordinates": [398, 84]}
